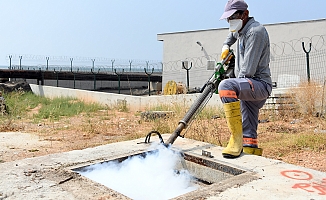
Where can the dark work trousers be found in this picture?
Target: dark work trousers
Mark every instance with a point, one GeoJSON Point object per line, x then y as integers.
{"type": "Point", "coordinates": [252, 94]}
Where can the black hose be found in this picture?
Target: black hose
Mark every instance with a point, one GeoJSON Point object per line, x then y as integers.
{"type": "Point", "coordinates": [148, 137]}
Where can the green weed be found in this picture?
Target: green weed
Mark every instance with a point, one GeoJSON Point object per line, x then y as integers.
{"type": "Point", "coordinates": [55, 108]}
{"type": "Point", "coordinates": [313, 141]}
{"type": "Point", "coordinates": [20, 103]}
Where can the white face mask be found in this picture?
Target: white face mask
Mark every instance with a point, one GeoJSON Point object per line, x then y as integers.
{"type": "Point", "coordinates": [235, 25]}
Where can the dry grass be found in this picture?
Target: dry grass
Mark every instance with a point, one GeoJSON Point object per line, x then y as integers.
{"type": "Point", "coordinates": [295, 135]}
{"type": "Point", "coordinates": [308, 99]}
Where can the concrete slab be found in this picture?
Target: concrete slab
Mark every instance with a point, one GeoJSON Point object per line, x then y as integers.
{"type": "Point", "coordinates": [51, 176]}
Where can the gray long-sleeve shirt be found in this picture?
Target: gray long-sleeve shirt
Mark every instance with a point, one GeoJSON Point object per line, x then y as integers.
{"type": "Point", "coordinates": [252, 51]}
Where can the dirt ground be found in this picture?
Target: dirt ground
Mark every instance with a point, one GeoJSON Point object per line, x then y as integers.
{"type": "Point", "coordinates": [30, 139]}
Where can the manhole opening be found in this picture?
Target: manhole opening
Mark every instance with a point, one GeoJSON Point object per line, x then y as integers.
{"type": "Point", "coordinates": [200, 172]}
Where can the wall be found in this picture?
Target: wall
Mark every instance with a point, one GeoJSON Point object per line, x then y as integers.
{"type": "Point", "coordinates": [134, 103]}
{"type": "Point", "coordinates": [89, 85]}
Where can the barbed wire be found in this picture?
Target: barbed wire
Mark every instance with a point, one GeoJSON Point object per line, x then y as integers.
{"type": "Point", "coordinates": [30, 57]}
{"type": "Point", "coordinates": [294, 46]}
{"type": "Point", "coordinates": [196, 62]}
{"type": "Point", "coordinates": [66, 63]}
{"type": "Point", "coordinates": [84, 68]}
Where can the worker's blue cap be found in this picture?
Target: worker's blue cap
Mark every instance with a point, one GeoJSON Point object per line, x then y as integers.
{"type": "Point", "coordinates": [232, 6]}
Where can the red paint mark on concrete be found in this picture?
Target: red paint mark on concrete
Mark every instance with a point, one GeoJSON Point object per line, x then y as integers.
{"type": "Point", "coordinates": [297, 175]}
{"type": "Point", "coordinates": [303, 186]}
{"type": "Point", "coordinates": [305, 176]}
{"type": "Point", "coordinates": [320, 187]}
{"type": "Point", "coordinates": [323, 181]}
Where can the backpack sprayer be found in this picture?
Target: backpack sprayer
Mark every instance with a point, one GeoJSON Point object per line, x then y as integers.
{"type": "Point", "coordinates": [224, 69]}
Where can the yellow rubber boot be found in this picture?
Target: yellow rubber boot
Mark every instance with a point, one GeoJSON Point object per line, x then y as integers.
{"type": "Point", "coordinates": [253, 151]}
{"type": "Point", "coordinates": [234, 121]}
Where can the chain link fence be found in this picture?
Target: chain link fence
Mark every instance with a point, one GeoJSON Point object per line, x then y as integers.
{"type": "Point", "coordinates": [81, 64]}
{"type": "Point", "coordinates": [299, 60]}
{"type": "Point", "coordinates": [289, 64]}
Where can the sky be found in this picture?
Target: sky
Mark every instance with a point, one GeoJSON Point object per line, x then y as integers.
{"type": "Point", "coordinates": [121, 29]}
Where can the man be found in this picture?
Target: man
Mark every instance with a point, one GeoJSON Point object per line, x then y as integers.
{"type": "Point", "coordinates": [244, 95]}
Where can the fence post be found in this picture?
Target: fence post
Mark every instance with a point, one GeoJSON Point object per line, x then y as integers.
{"type": "Point", "coordinates": [10, 56]}
{"type": "Point", "coordinates": [130, 61]}
{"type": "Point", "coordinates": [71, 59]}
{"type": "Point", "coordinates": [57, 76]}
{"type": "Point", "coordinates": [149, 80]}
{"type": "Point", "coordinates": [185, 66]}
{"type": "Point", "coordinates": [119, 75]}
{"type": "Point", "coordinates": [74, 76]}
{"type": "Point", "coordinates": [20, 62]}
{"type": "Point", "coordinates": [95, 77]}
{"type": "Point", "coordinates": [47, 63]}
{"type": "Point", "coordinates": [93, 60]}
{"type": "Point", "coordinates": [307, 56]}
{"type": "Point", "coordinates": [112, 61]}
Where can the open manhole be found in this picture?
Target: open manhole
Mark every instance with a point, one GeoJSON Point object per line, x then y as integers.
{"type": "Point", "coordinates": [165, 174]}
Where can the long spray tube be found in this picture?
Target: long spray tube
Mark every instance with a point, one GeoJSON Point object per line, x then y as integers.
{"type": "Point", "coordinates": [209, 88]}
